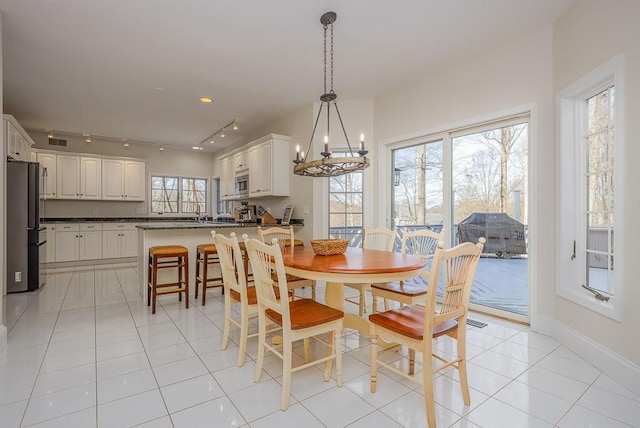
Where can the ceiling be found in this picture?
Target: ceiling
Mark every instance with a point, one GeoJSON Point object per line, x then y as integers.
{"type": "Point", "coordinates": [136, 69]}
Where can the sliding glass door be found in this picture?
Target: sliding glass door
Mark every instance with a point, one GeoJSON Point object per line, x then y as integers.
{"type": "Point", "coordinates": [473, 183]}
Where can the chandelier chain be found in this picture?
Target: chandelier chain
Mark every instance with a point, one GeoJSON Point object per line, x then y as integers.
{"type": "Point", "coordinates": [331, 58]}
{"type": "Point", "coordinates": [325, 59]}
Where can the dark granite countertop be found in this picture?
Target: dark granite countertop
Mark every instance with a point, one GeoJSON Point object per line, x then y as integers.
{"type": "Point", "coordinates": [158, 223]}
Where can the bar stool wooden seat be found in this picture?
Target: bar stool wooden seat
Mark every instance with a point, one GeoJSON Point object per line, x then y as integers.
{"type": "Point", "coordinates": [167, 257]}
{"type": "Point", "coordinates": [207, 255]}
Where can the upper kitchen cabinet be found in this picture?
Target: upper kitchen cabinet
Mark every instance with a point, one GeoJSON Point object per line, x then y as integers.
{"type": "Point", "coordinates": [123, 180]}
{"type": "Point", "coordinates": [78, 177]}
{"type": "Point", "coordinates": [241, 161]}
{"type": "Point", "coordinates": [268, 167]}
{"type": "Point", "coordinates": [16, 139]}
{"type": "Point", "coordinates": [48, 180]}
{"type": "Point", "coordinates": [227, 178]}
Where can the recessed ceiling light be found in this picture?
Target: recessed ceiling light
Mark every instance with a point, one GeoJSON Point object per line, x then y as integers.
{"type": "Point", "coordinates": [160, 89]}
{"type": "Point", "coordinates": [88, 140]}
{"type": "Point", "coordinates": [206, 100]}
{"type": "Point", "coordinates": [161, 148]}
{"type": "Point", "coordinates": [126, 144]}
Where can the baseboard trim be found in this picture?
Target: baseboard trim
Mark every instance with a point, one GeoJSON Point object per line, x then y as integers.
{"type": "Point", "coordinates": [3, 337]}
{"type": "Point", "coordinates": [623, 371]}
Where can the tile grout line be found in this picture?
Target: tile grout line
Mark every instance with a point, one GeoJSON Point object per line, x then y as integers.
{"type": "Point", "coordinates": [24, 414]}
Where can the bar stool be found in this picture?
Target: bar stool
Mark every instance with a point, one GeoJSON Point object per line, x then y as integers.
{"type": "Point", "coordinates": [206, 255]}
{"type": "Point", "coordinates": [166, 257]}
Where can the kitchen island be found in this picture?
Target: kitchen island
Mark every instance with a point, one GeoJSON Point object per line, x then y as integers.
{"type": "Point", "coordinates": [189, 235]}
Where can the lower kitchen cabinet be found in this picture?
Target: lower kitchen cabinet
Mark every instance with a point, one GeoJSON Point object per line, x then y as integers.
{"type": "Point", "coordinates": [66, 242]}
{"type": "Point", "coordinates": [119, 240]}
{"type": "Point", "coordinates": [50, 254]}
{"type": "Point", "coordinates": [78, 242]}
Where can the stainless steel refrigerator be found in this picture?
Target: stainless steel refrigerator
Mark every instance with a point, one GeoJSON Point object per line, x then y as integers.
{"type": "Point", "coordinates": [25, 238]}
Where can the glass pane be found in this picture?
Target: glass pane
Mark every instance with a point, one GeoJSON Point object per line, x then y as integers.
{"type": "Point", "coordinates": [598, 112]}
{"type": "Point", "coordinates": [598, 152]}
{"type": "Point", "coordinates": [337, 203]}
{"type": "Point", "coordinates": [489, 184]}
{"type": "Point", "coordinates": [194, 195]}
{"type": "Point", "coordinates": [598, 234]}
{"type": "Point", "coordinates": [418, 185]}
{"type": "Point", "coordinates": [600, 192]}
{"type": "Point", "coordinates": [354, 202]}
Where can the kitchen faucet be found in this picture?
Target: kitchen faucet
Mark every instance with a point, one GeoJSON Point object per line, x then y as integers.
{"type": "Point", "coordinates": [198, 212]}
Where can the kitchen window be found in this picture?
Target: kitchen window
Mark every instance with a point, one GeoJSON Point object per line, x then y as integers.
{"type": "Point", "coordinates": [179, 195]}
{"type": "Point", "coordinates": [590, 203]}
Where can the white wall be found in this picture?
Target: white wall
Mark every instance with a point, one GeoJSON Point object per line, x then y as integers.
{"type": "Point", "coordinates": [178, 162]}
{"type": "Point", "coordinates": [589, 34]}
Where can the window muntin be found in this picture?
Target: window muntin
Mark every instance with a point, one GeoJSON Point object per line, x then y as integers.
{"type": "Point", "coordinates": [178, 195]}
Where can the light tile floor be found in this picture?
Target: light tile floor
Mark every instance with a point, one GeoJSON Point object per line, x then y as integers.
{"type": "Point", "coordinates": [85, 351]}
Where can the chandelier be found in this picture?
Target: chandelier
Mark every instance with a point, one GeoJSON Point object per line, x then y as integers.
{"type": "Point", "coordinates": [329, 166]}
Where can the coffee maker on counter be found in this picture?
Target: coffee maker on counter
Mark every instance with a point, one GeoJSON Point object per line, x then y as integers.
{"type": "Point", "coordinates": [246, 213]}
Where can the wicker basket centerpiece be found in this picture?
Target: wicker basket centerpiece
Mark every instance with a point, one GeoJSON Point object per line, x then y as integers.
{"type": "Point", "coordinates": [329, 247]}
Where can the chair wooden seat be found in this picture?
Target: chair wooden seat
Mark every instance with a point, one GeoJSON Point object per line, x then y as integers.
{"type": "Point", "coordinates": [306, 313]}
{"type": "Point", "coordinates": [409, 321]}
{"type": "Point", "coordinates": [299, 319]}
{"type": "Point", "coordinates": [415, 326]}
{"type": "Point", "coordinates": [411, 288]}
{"type": "Point", "coordinates": [167, 257]}
{"type": "Point", "coordinates": [167, 250]}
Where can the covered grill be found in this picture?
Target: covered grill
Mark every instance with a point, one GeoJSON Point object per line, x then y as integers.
{"type": "Point", "coordinates": [505, 235]}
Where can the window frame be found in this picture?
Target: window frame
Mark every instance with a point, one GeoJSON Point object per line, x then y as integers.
{"type": "Point", "coordinates": [180, 213]}
{"type": "Point", "coordinates": [572, 198]}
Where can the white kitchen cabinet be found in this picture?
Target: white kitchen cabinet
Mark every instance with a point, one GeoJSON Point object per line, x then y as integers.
{"type": "Point", "coordinates": [90, 241]}
{"type": "Point", "coordinates": [227, 179]}
{"type": "Point", "coordinates": [75, 241]}
{"type": "Point", "coordinates": [241, 161]}
{"type": "Point", "coordinates": [50, 254]}
{"type": "Point", "coordinates": [123, 180]}
{"type": "Point", "coordinates": [90, 178]}
{"type": "Point", "coordinates": [17, 141]}
{"type": "Point", "coordinates": [119, 240]}
{"type": "Point", "coordinates": [269, 167]}
{"type": "Point", "coordinates": [66, 245]}
{"type": "Point", "coordinates": [48, 168]}
{"type": "Point", "coordinates": [68, 171]}
{"type": "Point", "coordinates": [78, 177]}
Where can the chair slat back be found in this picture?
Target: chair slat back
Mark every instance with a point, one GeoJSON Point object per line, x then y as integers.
{"type": "Point", "coordinates": [459, 268]}
{"type": "Point", "coordinates": [231, 263]}
{"type": "Point", "coordinates": [282, 234]}
{"type": "Point", "coordinates": [422, 242]}
{"type": "Point", "coordinates": [262, 258]}
{"type": "Point", "coordinates": [379, 238]}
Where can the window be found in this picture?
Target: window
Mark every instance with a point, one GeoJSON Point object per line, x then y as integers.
{"type": "Point", "coordinates": [590, 143]}
{"type": "Point", "coordinates": [345, 205]}
{"type": "Point", "coordinates": [222, 207]}
{"type": "Point", "coordinates": [179, 195]}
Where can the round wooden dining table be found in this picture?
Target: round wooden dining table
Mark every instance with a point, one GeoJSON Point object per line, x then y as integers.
{"type": "Point", "coordinates": [356, 265]}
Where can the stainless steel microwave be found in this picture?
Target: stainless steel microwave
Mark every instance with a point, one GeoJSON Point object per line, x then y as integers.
{"type": "Point", "coordinates": [242, 186]}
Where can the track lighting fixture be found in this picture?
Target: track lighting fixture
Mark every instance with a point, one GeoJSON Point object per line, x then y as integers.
{"type": "Point", "coordinates": [221, 132]}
